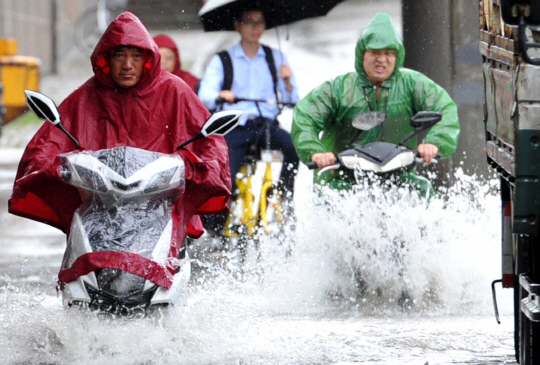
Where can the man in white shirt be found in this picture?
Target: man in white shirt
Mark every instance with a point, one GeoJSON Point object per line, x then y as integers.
{"type": "Point", "coordinates": [252, 78]}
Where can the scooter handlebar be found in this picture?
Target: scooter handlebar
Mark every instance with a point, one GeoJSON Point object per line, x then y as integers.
{"type": "Point", "coordinates": [433, 160]}
{"type": "Point", "coordinates": [313, 165]}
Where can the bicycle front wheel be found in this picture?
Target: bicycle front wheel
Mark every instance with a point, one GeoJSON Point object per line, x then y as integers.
{"type": "Point", "coordinates": [271, 217]}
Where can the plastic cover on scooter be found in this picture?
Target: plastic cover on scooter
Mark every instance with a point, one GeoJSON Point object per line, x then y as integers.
{"type": "Point", "coordinates": [125, 220]}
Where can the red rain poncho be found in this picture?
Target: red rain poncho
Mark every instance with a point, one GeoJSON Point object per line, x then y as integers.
{"type": "Point", "coordinates": [167, 42]}
{"type": "Point", "coordinates": [157, 114]}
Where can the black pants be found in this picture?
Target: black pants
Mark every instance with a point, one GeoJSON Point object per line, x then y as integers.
{"type": "Point", "coordinates": [240, 140]}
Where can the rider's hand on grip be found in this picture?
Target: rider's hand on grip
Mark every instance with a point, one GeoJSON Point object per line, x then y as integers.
{"type": "Point", "coordinates": [433, 160]}
{"type": "Point", "coordinates": [226, 96]}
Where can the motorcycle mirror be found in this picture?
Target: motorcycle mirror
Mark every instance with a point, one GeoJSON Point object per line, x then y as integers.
{"type": "Point", "coordinates": [364, 122]}
{"type": "Point", "coordinates": [425, 119]}
{"type": "Point", "coordinates": [42, 106]}
{"type": "Point", "coordinates": [422, 121]}
{"type": "Point", "coordinates": [219, 124]}
{"type": "Point", "coordinates": [45, 108]}
{"type": "Point", "coordinates": [368, 120]}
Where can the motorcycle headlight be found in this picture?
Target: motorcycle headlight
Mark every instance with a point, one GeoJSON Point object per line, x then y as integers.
{"type": "Point", "coordinates": [352, 162]}
{"type": "Point", "coordinates": [161, 181]}
{"type": "Point", "coordinates": [400, 161]}
{"type": "Point", "coordinates": [91, 180]}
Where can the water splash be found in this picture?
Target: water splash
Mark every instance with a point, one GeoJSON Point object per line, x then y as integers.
{"type": "Point", "coordinates": [326, 294]}
{"type": "Point", "coordinates": [364, 249]}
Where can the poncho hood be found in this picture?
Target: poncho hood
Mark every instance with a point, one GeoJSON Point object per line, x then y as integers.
{"type": "Point", "coordinates": [380, 33]}
{"type": "Point", "coordinates": [164, 41]}
{"type": "Point", "coordinates": [126, 30]}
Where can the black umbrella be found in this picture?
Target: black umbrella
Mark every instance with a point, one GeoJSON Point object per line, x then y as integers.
{"type": "Point", "coordinates": [217, 15]}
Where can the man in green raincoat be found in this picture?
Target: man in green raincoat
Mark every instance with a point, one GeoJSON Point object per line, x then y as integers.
{"type": "Point", "coordinates": [380, 83]}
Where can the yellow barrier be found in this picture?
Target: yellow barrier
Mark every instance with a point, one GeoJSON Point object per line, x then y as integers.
{"type": "Point", "coordinates": [17, 73]}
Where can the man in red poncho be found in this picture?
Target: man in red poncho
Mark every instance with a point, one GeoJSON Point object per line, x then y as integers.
{"type": "Point", "coordinates": [170, 60]}
{"type": "Point", "coordinates": [129, 101]}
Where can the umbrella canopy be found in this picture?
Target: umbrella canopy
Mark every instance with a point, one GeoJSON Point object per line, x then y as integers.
{"type": "Point", "coordinates": [217, 15]}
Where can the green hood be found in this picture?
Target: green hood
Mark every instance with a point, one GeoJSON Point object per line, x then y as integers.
{"type": "Point", "coordinates": [380, 33]}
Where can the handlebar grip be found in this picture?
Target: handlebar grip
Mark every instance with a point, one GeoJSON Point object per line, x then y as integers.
{"type": "Point", "coordinates": [437, 156]}
{"type": "Point", "coordinates": [312, 166]}
{"type": "Point", "coordinates": [220, 100]}
{"type": "Point", "coordinates": [433, 160]}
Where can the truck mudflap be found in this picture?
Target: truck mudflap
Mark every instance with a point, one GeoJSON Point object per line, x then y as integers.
{"type": "Point", "coordinates": [530, 292]}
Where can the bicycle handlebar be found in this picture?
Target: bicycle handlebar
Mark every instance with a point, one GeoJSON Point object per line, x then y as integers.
{"type": "Point", "coordinates": [220, 100]}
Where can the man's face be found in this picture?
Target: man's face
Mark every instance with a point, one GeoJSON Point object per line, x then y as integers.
{"type": "Point", "coordinates": [127, 65]}
{"type": "Point", "coordinates": [168, 59]}
{"type": "Point", "coordinates": [251, 26]}
{"type": "Point", "coordinates": [379, 64]}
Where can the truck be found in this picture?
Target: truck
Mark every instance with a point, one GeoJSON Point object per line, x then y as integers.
{"type": "Point", "coordinates": [510, 50]}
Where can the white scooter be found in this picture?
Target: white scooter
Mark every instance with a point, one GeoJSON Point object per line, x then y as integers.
{"type": "Point", "coordinates": [126, 215]}
{"type": "Point", "coordinates": [381, 157]}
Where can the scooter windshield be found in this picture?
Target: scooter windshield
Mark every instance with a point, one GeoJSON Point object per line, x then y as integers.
{"type": "Point", "coordinates": [128, 196]}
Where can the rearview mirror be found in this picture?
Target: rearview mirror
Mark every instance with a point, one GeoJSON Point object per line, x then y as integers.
{"type": "Point", "coordinates": [368, 120]}
{"type": "Point", "coordinates": [219, 124]}
{"type": "Point", "coordinates": [46, 109]}
{"type": "Point", "coordinates": [422, 121]}
{"type": "Point", "coordinates": [425, 120]}
{"type": "Point", "coordinates": [42, 106]}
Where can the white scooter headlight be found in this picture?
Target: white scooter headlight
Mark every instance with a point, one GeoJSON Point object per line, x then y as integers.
{"type": "Point", "coordinates": [401, 160]}
{"type": "Point", "coordinates": [352, 162]}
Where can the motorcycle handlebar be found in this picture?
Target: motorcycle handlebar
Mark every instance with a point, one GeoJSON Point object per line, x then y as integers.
{"type": "Point", "coordinates": [313, 165]}
{"type": "Point", "coordinates": [433, 160]}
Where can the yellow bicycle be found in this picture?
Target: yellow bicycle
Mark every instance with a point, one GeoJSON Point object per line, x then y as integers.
{"type": "Point", "coordinates": [250, 214]}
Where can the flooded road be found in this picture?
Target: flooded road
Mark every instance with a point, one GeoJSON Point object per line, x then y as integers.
{"type": "Point", "coordinates": [329, 296]}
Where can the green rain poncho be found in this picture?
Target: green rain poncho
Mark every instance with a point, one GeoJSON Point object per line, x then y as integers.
{"type": "Point", "coordinates": [331, 107]}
